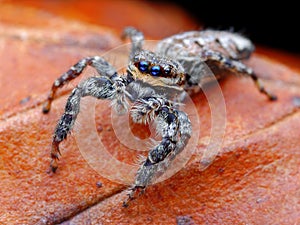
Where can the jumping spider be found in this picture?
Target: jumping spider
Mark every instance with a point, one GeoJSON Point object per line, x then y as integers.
{"type": "Point", "coordinates": [151, 83]}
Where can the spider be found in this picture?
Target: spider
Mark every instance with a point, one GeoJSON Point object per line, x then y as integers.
{"type": "Point", "coordinates": [153, 83]}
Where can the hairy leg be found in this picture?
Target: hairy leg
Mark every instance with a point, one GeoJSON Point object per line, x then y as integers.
{"type": "Point", "coordinates": [175, 128]}
{"type": "Point", "coordinates": [238, 68]}
{"type": "Point", "coordinates": [136, 38]}
{"type": "Point", "coordinates": [102, 67]}
{"type": "Point", "coordinates": [98, 87]}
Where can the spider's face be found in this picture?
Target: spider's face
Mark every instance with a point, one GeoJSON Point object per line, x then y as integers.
{"type": "Point", "coordinates": [156, 70]}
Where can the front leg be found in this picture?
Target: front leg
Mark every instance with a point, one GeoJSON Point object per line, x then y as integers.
{"type": "Point", "coordinates": [102, 67]}
{"type": "Point", "coordinates": [175, 129]}
{"type": "Point", "coordinates": [98, 87]}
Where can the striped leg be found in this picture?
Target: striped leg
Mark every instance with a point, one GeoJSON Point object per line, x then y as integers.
{"type": "Point", "coordinates": [98, 87]}
{"type": "Point", "coordinates": [175, 129]}
{"type": "Point", "coordinates": [103, 68]}
{"type": "Point", "coordinates": [237, 67]}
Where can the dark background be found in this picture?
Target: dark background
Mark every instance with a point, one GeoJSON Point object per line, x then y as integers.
{"type": "Point", "coordinates": [270, 24]}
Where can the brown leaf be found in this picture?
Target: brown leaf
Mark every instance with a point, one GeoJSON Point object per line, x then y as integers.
{"type": "Point", "coordinates": [254, 179]}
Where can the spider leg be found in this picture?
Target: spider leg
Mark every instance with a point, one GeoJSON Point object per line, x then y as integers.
{"type": "Point", "coordinates": [98, 87]}
{"type": "Point", "coordinates": [136, 38]}
{"type": "Point", "coordinates": [237, 67]}
{"type": "Point", "coordinates": [97, 62]}
{"type": "Point", "coordinates": [175, 129]}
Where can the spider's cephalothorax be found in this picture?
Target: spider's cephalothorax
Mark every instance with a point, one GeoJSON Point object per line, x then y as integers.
{"type": "Point", "coordinates": [153, 83]}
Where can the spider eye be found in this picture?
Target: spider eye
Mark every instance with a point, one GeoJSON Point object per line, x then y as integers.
{"type": "Point", "coordinates": [143, 66]}
{"type": "Point", "coordinates": [167, 70]}
{"type": "Point", "coordinates": [155, 70]}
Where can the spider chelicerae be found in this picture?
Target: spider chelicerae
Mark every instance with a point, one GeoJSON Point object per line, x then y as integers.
{"type": "Point", "coordinates": [153, 83]}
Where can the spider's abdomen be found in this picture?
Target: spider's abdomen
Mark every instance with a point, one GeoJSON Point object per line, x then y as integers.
{"type": "Point", "coordinates": [194, 43]}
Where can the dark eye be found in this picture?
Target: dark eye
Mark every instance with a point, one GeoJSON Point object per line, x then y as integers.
{"type": "Point", "coordinates": [167, 70]}
{"type": "Point", "coordinates": [155, 70]}
{"type": "Point", "coordinates": [143, 66]}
